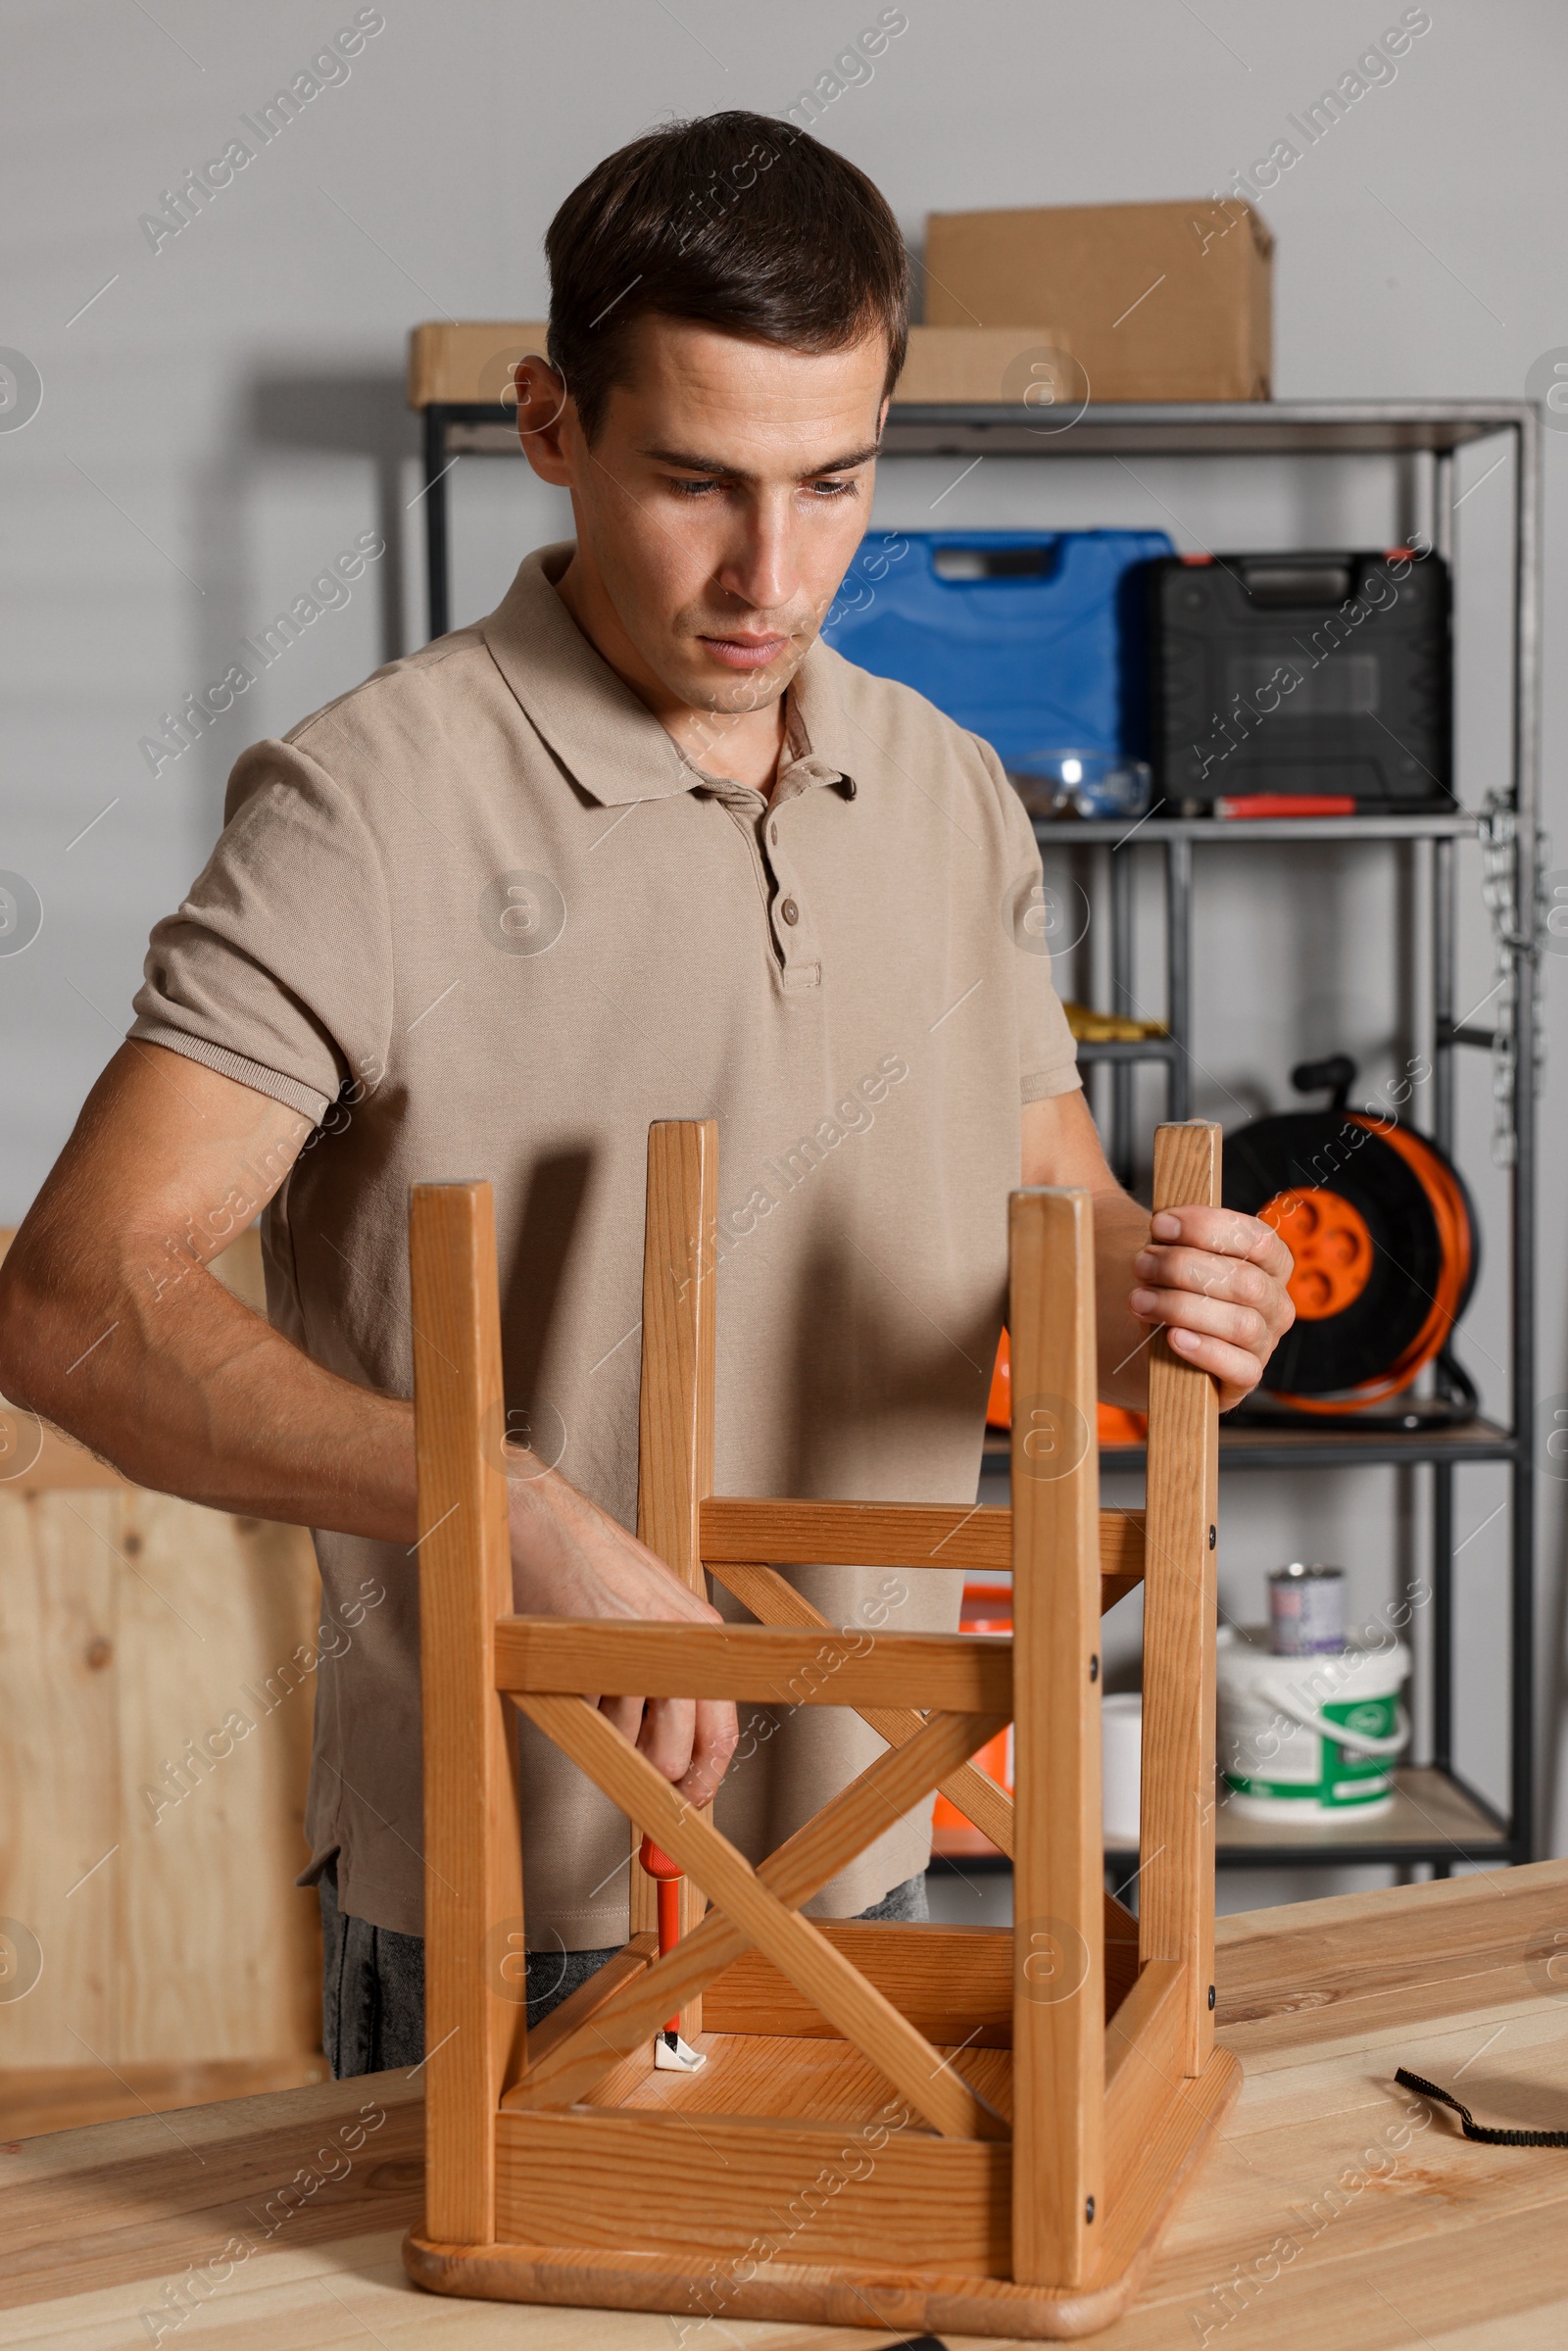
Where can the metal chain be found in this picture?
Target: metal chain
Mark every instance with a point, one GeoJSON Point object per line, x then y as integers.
{"type": "Point", "coordinates": [1500, 833]}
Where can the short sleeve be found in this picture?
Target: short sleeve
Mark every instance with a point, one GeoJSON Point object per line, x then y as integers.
{"type": "Point", "coordinates": [277, 968]}
{"type": "Point", "coordinates": [1048, 1055]}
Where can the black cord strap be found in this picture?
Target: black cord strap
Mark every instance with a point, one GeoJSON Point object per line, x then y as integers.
{"type": "Point", "coordinates": [1481, 2131]}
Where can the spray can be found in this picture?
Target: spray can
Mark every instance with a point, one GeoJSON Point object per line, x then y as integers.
{"type": "Point", "coordinates": [1306, 1609]}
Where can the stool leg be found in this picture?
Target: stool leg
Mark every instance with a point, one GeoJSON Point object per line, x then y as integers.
{"type": "Point", "coordinates": [1059, 2029]}
{"type": "Point", "coordinates": [676, 1423]}
{"type": "Point", "coordinates": [475, 2009]}
{"type": "Point", "coordinates": [1176, 1890]}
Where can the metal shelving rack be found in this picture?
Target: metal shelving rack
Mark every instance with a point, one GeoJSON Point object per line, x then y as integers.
{"type": "Point", "coordinates": [1438, 1818]}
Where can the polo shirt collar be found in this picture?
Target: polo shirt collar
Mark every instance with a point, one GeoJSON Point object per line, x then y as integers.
{"type": "Point", "coordinates": [608, 740]}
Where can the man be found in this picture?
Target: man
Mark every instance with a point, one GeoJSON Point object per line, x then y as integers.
{"type": "Point", "coordinates": [634, 847]}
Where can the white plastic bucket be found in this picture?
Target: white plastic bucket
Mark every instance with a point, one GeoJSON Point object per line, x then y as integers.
{"type": "Point", "coordinates": [1121, 1725]}
{"type": "Point", "coordinates": [1310, 1738]}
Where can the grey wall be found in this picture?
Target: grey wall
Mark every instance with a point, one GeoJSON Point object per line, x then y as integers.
{"type": "Point", "coordinates": [226, 415]}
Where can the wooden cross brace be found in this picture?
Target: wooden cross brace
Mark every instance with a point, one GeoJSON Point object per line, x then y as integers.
{"type": "Point", "coordinates": [861, 2013]}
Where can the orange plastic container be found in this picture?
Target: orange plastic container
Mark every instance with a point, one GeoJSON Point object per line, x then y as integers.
{"type": "Point", "coordinates": [1116, 1424]}
{"type": "Point", "coordinates": [986, 1608]}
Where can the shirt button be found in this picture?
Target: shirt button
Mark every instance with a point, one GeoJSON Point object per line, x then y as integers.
{"type": "Point", "coordinates": [790, 910]}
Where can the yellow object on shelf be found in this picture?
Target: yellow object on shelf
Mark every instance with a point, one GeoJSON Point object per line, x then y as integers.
{"type": "Point", "coordinates": [1110, 1028]}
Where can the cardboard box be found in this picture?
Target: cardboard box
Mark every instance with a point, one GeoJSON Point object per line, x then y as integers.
{"type": "Point", "coordinates": [458, 363]}
{"type": "Point", "coordinates": [982, 364]}
{"type": "Point", "coordinates": [1154, 300]}
{"type": "Point", "coordinates": [470, 360]}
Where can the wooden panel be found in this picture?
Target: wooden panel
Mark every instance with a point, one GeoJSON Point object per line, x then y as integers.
{"type": "Point", "coordinates": [810, 1962]}
{"type": "Point", "coordinates": [157, 1875]}
{"type": "Point", "coordinates": [1176, 1889]}
{"type": "Point", "coordinates": [892, 1785]}
{"type": "Point", "coordinates": [953, 1984]}
{"type": "Point", "coordinates": [1059, 1907]}
{"type": "Point", "coordinates": [61, 1580]}
{"type": "Point", "coordinates": [774, 1664]}
{"type": "Point", "coordinates": [160, 1884]}
{"type": "Point", "coordinates": [979, 1539]}
{"type": "Point", "coordinates": [1145, 2048]}
{"type": "Point", "coordinates": [676, 1411]}
{"type": "Point", "coordinates": [218, 1949]}
{"type": "Point", "coordinates": [828, 2192]}
{"type": "Point", "coordinates": [472, 1839]}
{"type": "Point", "coordinates": [157, 1878]}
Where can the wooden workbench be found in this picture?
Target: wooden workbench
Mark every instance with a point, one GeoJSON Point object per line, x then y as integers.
{"type": "Point", "coordinates": [1337, 2215]}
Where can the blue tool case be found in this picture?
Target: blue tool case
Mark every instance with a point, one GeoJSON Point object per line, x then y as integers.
{"type": "Point", "coordinates": [1036, 640]}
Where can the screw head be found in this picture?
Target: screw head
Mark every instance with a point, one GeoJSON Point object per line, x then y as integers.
{"type": "Point", "coordinates": [1213, 1537]}
{"type": "Point", "coordinates": [1212, 1995]}
{"type": "Point", "coordinates": [1094, 1668]}
{"type": "Point", "coordinates": [1089, 2208]}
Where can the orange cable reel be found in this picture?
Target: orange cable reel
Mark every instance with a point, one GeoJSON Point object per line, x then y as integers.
{"type": "Point", "coordinates": [1384, 1251]}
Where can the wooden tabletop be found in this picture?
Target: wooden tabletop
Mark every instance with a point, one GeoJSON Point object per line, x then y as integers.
{"type": "Point", "coordinates": [1339, 2213]}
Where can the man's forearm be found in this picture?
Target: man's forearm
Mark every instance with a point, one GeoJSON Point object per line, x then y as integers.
{"type": "Point", "coordinates": [185, 1389]}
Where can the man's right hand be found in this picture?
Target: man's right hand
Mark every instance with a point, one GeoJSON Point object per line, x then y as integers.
{"type": "Point", "coordinates": [571, 1559]}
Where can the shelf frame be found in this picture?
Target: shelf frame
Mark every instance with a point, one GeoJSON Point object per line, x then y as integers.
{"type": "Point", "coordinates": [1429, 430]}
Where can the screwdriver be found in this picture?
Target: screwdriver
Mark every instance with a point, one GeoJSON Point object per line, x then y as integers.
{"type": "Point", "coordinates": [670, 2052]}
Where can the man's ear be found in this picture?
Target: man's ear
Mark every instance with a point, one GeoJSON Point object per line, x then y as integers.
{"type": "Point", "coordinates": [543, 404]}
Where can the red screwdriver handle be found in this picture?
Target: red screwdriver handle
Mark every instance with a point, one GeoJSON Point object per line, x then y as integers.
{"type": "Point", "coordinates": [667, 1874]}
{"type": "Point", "coordinates": [657, 1864]}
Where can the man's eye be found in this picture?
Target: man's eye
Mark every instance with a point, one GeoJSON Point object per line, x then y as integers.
{"type": "Point", "coordinates": [694, 489]}
{"type": "Point", "coordinates": [833, 489]}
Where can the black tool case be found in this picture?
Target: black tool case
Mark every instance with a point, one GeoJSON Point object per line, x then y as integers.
{"type": "Point", "coordinates": [1301, 675]}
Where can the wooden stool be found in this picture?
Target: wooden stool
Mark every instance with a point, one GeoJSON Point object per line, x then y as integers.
{"type": "Point", "coordinates": [908, 2127]}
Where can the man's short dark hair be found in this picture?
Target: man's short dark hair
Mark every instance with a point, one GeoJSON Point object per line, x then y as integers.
{"type": "Point", "coordinates": [735, 220]}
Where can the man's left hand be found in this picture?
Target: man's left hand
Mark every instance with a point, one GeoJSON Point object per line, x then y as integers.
{"type": "Point", "coordinates": [1216, 1279]}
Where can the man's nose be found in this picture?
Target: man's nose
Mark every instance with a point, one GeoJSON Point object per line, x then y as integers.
{"type": "Point", "coordinates": [762, 568]}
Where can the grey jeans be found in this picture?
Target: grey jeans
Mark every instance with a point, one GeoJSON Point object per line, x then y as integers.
{"type": "Point", "coordinates": [372, 1980]}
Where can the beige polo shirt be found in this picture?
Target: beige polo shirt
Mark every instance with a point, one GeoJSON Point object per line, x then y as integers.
{"type": "Point", "coordinates": [481, 917]}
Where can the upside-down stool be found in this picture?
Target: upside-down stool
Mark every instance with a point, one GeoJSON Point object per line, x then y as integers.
{"type": "Point", "coordinates": [911, 2127]}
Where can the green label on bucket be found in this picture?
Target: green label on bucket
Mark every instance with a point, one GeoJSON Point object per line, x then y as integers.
{"type": "Point", "coordinates": [1344, 1777]}
{"type": "Point", "coordinates": [1372, 1718]}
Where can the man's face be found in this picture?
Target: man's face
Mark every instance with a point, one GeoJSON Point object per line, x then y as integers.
{"type": "Point", "coordinates": [722, 502]}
